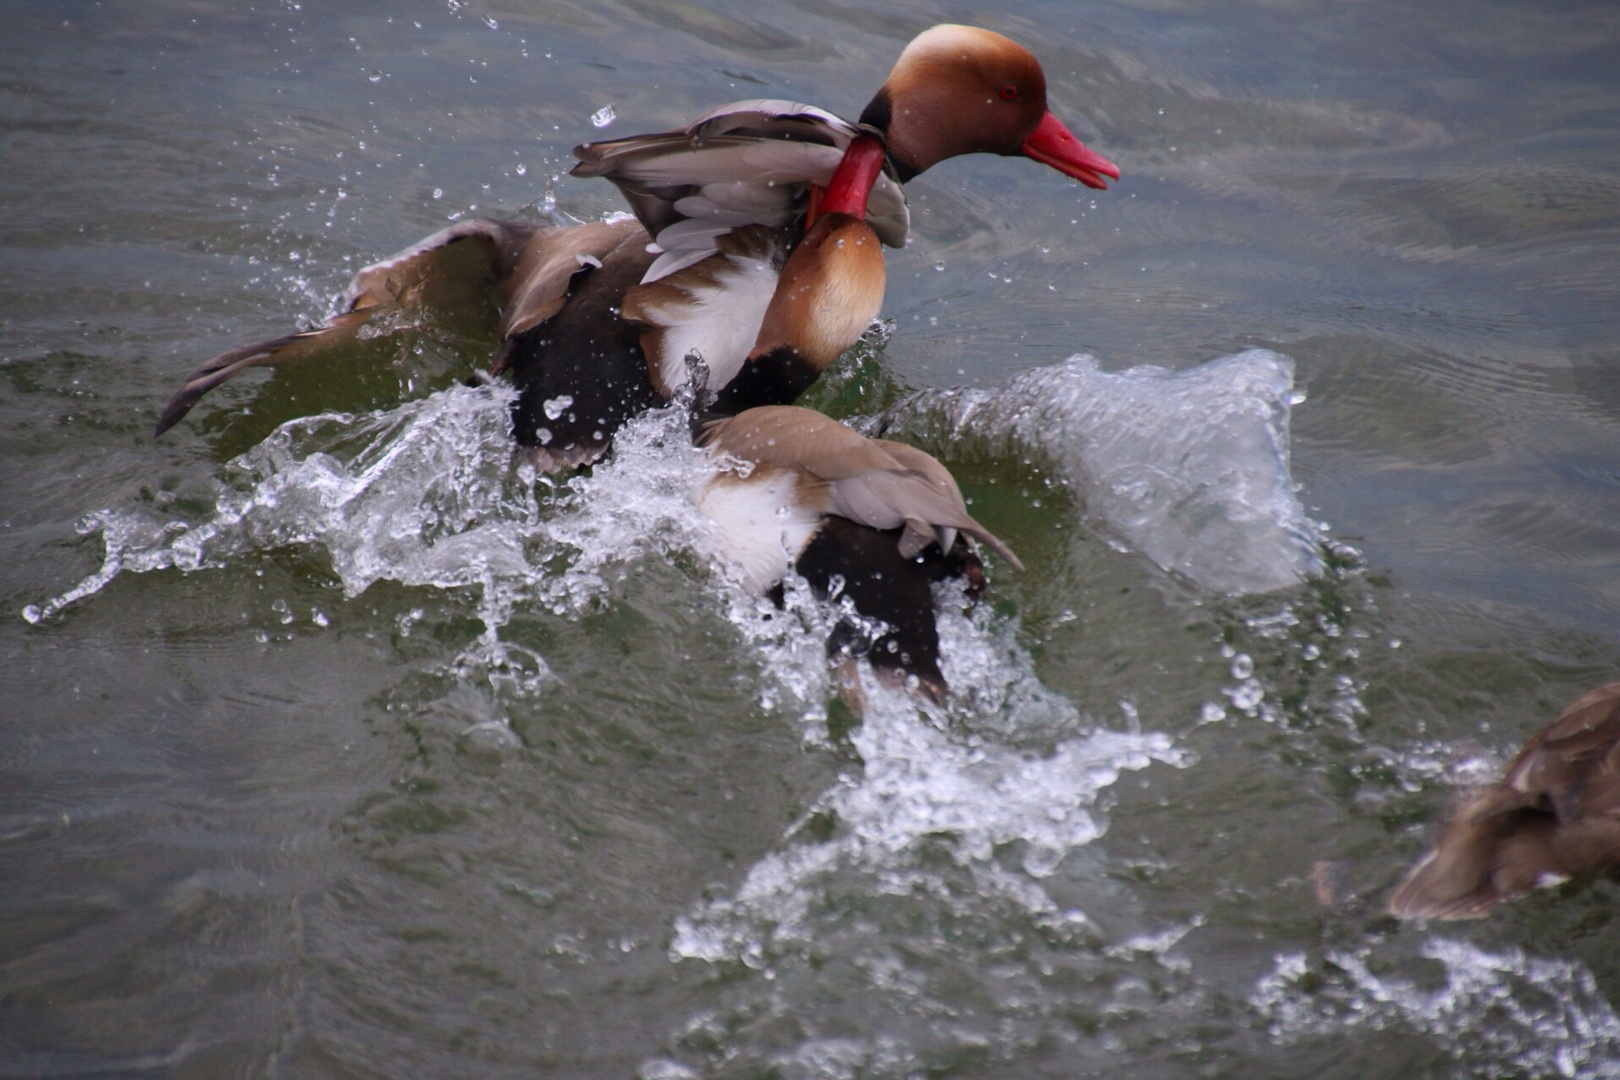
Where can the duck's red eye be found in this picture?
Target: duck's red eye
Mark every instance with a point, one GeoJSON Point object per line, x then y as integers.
{"type": "Point", "coordinates": [1009, 92]}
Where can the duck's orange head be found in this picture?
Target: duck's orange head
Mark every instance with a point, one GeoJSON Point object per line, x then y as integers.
{"type": "Point", "coordinates": [963, 90]}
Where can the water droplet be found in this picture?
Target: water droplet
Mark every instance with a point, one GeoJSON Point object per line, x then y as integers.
{"type": "Point", "coordinates": [438, 193]}
{"type": "Point", "coordinates": [940, 265]}
{"type": "Point", "coordinates": [554, 407]}
{"type": "Point", "coordinates": [1242, 666]}
{"type": "Point", "coordinates": [603, 117]}
{"type": "Point", "coordinates": [374, 75]}
{"type": "Point", "coordinates": [522, 169]}
{"type": "Point", "coordinates": [32, 613]}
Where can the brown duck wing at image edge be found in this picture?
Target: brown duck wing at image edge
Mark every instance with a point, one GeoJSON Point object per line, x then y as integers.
{"type": "Point", "coordinates": [1554, 814]}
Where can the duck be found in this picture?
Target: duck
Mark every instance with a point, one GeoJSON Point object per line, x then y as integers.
{"type": "Point", "coordinates": [598, 321]}
{"type": "Point", "coordinates": [869, 523]}
{"type": "Point", "coordinates": [1554, 815]}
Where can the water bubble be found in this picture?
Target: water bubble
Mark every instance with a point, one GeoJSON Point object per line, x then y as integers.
{"type": "Point", "coordinates": [1242, 666]}
{"type": "Point", "coordinates": [1247, 695]}
{"type": "Point", "coordinates": [522, 169]}
{"type": "Point", "coordinates": [374, 75]}
{"type": "Point", "coordinates": [1041, 859]}
{"type": "Point", "coordinates": [554, 407]}
{"type": "Point", "coordinates": [939, 265]}
{"type": "Point", "coordinates": [604, 116]}
{"type": "Point", "coordinates": [438, 193]}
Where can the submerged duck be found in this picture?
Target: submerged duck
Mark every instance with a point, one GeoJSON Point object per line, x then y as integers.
{"type": "Point", "coordinates": [1554, 814]}
{"type": "Point", "coordinates": [597, 321]}
{"type": "Point", "coordinates": [865, 520]}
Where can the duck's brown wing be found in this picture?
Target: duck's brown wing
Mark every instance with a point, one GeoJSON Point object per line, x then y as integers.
{"type": "Point", "coordinates": [519, 269]}
{"type": "Point", "coordinates": [1457, 878]}
{"type": "Point", "coordinates": [749, 163]}
{"type": "Point", "coordinates": [1556, 812]}
{"type": "Point", "coordinates": [1574, 763]}
{"type": "Point", "coordinates": [873, 482]}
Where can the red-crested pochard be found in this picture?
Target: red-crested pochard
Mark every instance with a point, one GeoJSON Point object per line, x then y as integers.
{"type": "Point", "coordinates": [597, 320]}
{"type": "Point", "coordinates": [1554, 814]}
{"type": "Point", "coordinates": [868, 520]}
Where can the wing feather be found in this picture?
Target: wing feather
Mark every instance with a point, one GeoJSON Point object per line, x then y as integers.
{"type": "Point", "coordinates": [519, 269]}
{"type": "Point", "coordinates": [751, 162]}
{"type": "Point", "coordinates": [874, 482]}
{"type": "Point", "coordinates": [712, 305]}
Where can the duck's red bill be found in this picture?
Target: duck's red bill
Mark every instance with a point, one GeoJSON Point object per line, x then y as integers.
{"type": "Point", "coordinates": [1055, 145]}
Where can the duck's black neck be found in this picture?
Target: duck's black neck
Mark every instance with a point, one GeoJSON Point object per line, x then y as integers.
{"type": "Point", "coordinates": [776, 378]}
{"type": "Point", "coordinates": [877, 116]}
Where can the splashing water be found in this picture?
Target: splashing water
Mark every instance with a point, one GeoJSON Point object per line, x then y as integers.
{"type": "Point", "coordinates": [924, 784]}
{"type": "Point", "coordinates": [1521, 1015]}
{"type": "Point", "coordinates": [429, 494]}
{"type": "Point", "coordinates": [953, 821]}
{"type": "Point", "coordinates": [1188, 467]}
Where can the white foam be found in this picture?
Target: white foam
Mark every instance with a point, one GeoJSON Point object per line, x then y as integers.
{"type": "Point", "coordinates": [1503, 1013]}
{"type": "Point", "coordinates": [928, 781]}
{"type": "Point", "coordinates": [1191, 468]}
{"type": "Point", "coordinates": [430, 494]}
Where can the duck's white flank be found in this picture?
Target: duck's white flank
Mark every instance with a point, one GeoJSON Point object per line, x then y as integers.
{"type": "Point", "coordinates": [714, 308]}
{"type": "Point", "coordinates": [763, 520]}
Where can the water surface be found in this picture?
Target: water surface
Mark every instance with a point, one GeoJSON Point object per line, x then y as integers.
{"type": "Point", "coordinates": [366, 756]}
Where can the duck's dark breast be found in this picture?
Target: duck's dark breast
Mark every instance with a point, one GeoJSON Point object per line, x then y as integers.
{"type": "Point", "coordinates": [883, 584]}
{"type": "Point", "coordinates": [777, 378]}
{"type": "Point", "coordinates": [581, 375]}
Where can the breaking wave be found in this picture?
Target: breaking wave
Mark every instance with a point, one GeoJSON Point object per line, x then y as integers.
{"type": "Point", "coordinates": [1191, 468]}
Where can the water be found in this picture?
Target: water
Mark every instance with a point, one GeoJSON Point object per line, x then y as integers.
{"type": "Point", "coordinates": [336, 744]}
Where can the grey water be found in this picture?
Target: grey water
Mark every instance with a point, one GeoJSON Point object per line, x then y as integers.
{"type": "Point", "coordinates": [335, 745]}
